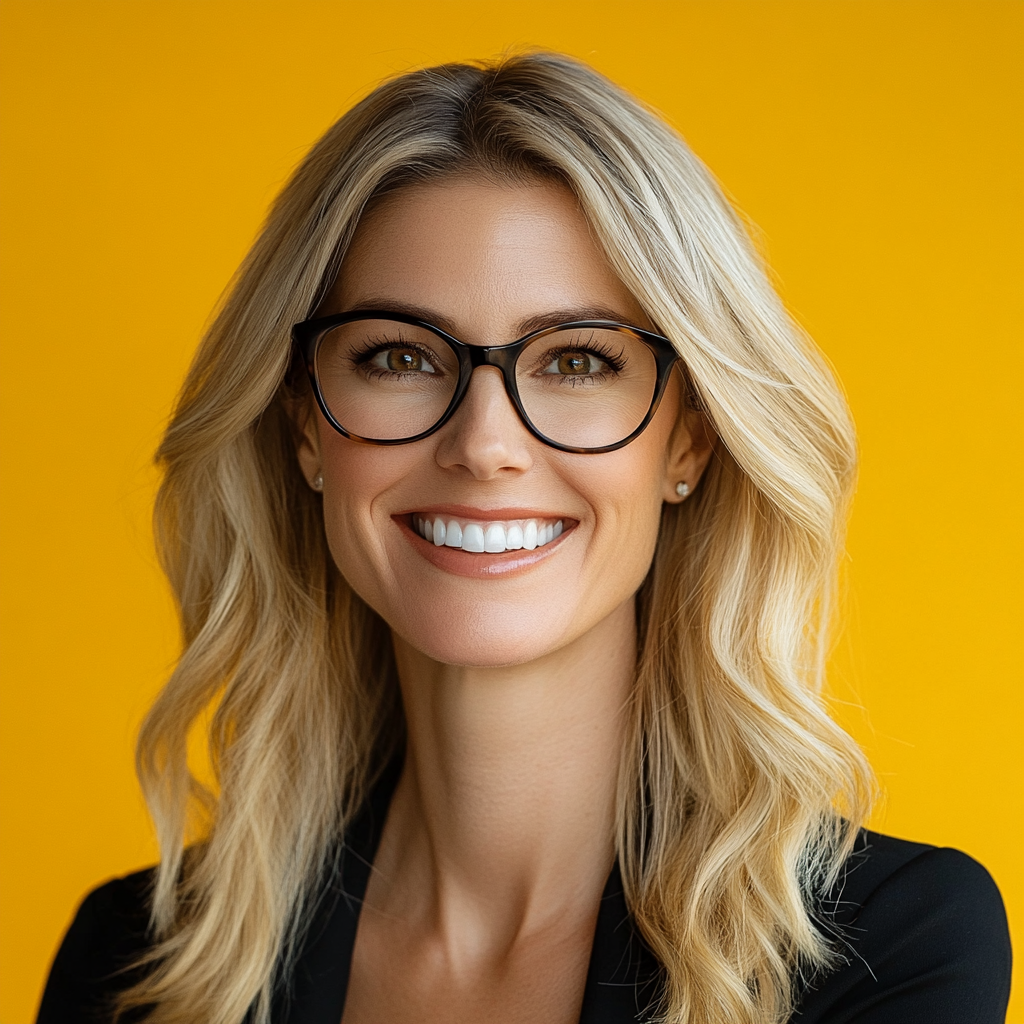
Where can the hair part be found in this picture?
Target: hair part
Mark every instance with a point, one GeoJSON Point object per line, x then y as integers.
{"type": "Point", "coordinates": [739, 798]}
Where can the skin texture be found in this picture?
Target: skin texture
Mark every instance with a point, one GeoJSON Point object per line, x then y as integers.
{"type": "Point", "coordinates": [499, 840]}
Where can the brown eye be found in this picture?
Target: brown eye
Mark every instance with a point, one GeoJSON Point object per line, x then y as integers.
{"type": "Point", "coordinates": [404, 359]}
{"type": "Point", "coordinates": [573, 362]}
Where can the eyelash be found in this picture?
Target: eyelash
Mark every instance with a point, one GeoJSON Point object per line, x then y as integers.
{"type": "Point", "coordinates": [614, 360]}
{"type": "Point", "coordinates": [362, 356]}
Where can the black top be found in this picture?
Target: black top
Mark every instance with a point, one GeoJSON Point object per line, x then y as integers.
{"type": "Point", "coordinates": [922, 930]}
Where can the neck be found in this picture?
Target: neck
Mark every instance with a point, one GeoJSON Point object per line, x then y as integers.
{"type": "Point", "coordinates": [505, 810]}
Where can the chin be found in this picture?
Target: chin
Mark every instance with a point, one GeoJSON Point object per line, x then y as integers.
{"type": "Point", "coordinates": [481, 650]}
{"type": "Point", "coordinates": [493, 638]}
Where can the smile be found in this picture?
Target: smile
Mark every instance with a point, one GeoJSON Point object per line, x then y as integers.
{"type": "Point", "coordinates": [486, 537]}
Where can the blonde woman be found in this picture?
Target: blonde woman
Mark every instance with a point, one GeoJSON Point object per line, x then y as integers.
{"type": "Point", "coordinates": [502, 505]}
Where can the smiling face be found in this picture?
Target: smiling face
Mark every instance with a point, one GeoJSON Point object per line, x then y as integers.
{"type": "Point", "coordinates": [480, 545]}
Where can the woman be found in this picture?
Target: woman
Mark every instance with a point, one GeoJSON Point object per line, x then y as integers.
{"type": "Point", "coordinates": [508, 570]}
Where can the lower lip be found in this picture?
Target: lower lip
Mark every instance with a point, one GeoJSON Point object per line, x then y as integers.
{"type": "Point", "coordinates": [465, 563]}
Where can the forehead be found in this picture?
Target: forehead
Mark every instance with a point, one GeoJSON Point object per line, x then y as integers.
{"type": "Point", "coordinates": [485, 255]}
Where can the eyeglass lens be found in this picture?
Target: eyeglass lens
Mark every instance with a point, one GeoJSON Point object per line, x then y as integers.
{"type": "Point", "coordinates": [580, 387]}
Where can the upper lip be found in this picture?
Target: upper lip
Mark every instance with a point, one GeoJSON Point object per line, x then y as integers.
{"type": "Point", "coordinates": [481, 514]}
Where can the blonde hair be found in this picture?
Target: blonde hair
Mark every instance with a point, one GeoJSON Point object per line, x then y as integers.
{"type": "Point", "coordinates": [739, 797]}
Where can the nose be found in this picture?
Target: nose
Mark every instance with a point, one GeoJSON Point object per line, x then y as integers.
{"type": "Point", "coordinates": [485, 436]}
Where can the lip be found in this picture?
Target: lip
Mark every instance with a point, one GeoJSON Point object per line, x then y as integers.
{"type": "Point", "coordinates": [483, 514]}
{"type": "Point", "coordinates": [481, 565]}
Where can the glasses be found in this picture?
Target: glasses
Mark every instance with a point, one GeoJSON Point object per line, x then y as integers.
{"type": "Point", "coordinates": [385, 378]}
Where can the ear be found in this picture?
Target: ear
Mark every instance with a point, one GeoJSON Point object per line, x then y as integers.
{"type": "Point", "coordinates": [689, 450]}
{"type": "Point", "coordinates": [306, 434]}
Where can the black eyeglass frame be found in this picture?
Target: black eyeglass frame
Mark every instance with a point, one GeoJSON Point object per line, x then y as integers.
{"type": "Point", "coordinates": [308, 334]}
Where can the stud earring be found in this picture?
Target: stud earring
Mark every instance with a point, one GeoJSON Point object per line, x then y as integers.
{"type": "Point", "coordinates": [318, 482]}
{"type": "Point", "coordinates": [682, 488]}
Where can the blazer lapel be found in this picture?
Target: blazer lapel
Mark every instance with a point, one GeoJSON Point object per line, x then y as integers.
{"type": "Point", "coordinates": [624, 979]}
{"type": "Point", "coordinates": [315, 991]}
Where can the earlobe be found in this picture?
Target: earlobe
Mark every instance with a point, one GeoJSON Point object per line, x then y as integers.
{"type": "Point", "coordinates": [689, 451]}
{"type": "Point", "coordinates": [307, 444]}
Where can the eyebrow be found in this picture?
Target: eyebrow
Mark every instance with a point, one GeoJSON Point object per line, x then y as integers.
{"type": "Point", "coordinates": [539, 322]}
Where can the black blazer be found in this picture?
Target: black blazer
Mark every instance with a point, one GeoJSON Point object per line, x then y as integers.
{"type": "Point", "coordinates": [922, 930]}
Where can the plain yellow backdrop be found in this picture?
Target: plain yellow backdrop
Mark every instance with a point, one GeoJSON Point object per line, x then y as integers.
{"type": "Point", "coordinates": [878, 147]}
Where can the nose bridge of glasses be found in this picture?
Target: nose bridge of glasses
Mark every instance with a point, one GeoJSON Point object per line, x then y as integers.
{"type": "Point", "coordinates": [502, 357]}
{"type": "Point", "coordinates": [494, 386]}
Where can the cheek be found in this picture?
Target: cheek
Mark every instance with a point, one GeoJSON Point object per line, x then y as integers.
{"type": "Point", "coordinates": [624, 492]}
{"type": "Point", "coordinates": [627, 489]}
{"type": "Point", "coordinates": [355, 473]}
{"type": "Point", "coordinates": [355, 476]}
{"type": "Point", "coordinates": [627, 507]}
{"type": "Point", "coordinates": [627, 496]}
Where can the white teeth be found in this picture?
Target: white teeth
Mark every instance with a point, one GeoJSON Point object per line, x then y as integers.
{"type": "Point", "coordinates": [494, 538]}
{"type": "Point", "coordinates": [453, 536]}
{"type": "Point", "coordinates": [530, 535]}
{"type": "Point", "coordinates": [473, 538]}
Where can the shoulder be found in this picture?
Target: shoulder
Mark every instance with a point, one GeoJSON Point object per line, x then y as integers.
{"type": "Point", "coordinates": [110, 930]}
{"type": "Point", "coordinates": [881, 864]}
{"type": "Point", "coordinates": [922, 936]}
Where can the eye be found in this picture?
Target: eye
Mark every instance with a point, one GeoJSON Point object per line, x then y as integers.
{"type": "Point", "coordinates": [401, 360]}
{"type": "Point", "coordinates": [575, 363]}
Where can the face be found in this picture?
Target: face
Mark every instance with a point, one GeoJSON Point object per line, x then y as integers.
{"type": "Point", "coordinates": [485, 261]}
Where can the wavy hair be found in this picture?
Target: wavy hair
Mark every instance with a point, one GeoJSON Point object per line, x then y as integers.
{"type": "Point", "coordinates": [738, 799]}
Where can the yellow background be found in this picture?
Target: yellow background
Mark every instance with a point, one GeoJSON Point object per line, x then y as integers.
{"type": "Point", "coordinates": [877, 145]}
